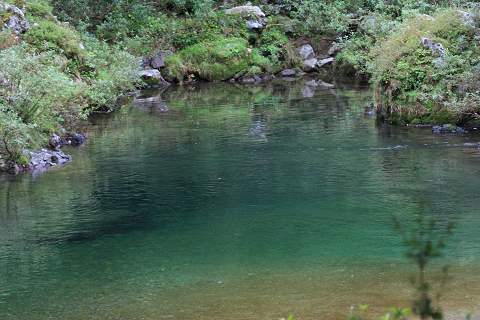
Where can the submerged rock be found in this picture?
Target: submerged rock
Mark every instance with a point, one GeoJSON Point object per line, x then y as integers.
{"type": "Point", "coordinates": [70, 139]}
{"type": "Point", "coordinates": [447, 128]}
{"type": "Point", "coordinates": [48, 158]}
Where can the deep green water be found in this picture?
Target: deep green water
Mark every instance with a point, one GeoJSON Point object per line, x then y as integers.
{"type": "Point", "coordinates": [272, 182]}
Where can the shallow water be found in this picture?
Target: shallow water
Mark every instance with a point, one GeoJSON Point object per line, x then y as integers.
{"type": "Point", "coordinates": [239, 202]}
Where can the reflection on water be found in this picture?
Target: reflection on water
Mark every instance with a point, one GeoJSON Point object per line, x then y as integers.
{"type": "Point", "coordinates": [227, 201]}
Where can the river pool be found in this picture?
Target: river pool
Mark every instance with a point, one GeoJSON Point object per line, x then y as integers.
{"type": "Point", "coordinates": [228, 201]}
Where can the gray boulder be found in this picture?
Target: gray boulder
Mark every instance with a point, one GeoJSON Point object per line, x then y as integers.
{"type": "Point", "coordinates": [151, 77]}
{"type": "Point", "coordinates": [254, 24]}
{"type": "Point", "coordinates": [322, 62]}
{"type": "Point", "coordinates": [306, 52]}
{"type": "Point", "coordinates": [287, 73]}
{"type": "Point", "coordinates": [47, 158]}
{"type": "Point", "coordinates": [158, 61]}
{"type": "Point", "coordinates": [246, 11]}
{"type": "Point", "coordinates": [334, 49]}
{"type": "Point", "coordinates": [16, 19]}
{"type": "Point", "coordinates": [310, 65]}
{"type": "Point", "coordinates": [433, 46]}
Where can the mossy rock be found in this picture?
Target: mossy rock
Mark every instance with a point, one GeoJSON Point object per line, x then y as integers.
{"type": "Point", "coordinates": [175, 70]}
{"type": "Point", "coordinates": [219, 60]}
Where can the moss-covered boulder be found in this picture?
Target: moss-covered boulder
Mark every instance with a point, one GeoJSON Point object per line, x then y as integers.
{"type": "Point", "coordinates": [218, 60]}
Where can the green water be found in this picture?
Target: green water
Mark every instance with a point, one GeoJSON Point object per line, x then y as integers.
{"type": "Point", "coordinates": [249, 188]}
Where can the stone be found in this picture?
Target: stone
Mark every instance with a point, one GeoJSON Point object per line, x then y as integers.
{"type": "Point", "coordinates": [287, 72]}
{"type": "Point", "coordinates": [334, 49]}
{"type": "Point", "coordinates": [433, 46]}
{"type": "Point", "coordinates": [306, 52]}
{"type": "Point", "coordinates": [254, 24]}
{"type": "Point", "coordinates": [55, 143]}
{"type": "Point", "coordinates": [322, 62]}
{"type": "Point", "coordinates": [158, 61]}
{"type": "Point", "coordinates": [16, 20]}
{"type": "Point", "coordinates": [467, 19]}
{"type": "Point", "coordinates": [75, 139]}
{"type": "Point", "coordinates": [447, 128]}
{"type": "Point", "coordinates": [310, 65]}
{"type": "Point", "coordinates": [151, 76]}
{"type": "Point", "coordinates": [246, 11]}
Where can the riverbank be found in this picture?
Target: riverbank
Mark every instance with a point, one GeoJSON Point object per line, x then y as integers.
{"type": "Point", "coordinates": [421, 57]}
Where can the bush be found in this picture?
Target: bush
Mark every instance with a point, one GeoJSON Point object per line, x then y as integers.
{"type": "Point", "coordinates": [412, 79]}
{"type": "Point", "coordinates": [35, 97]}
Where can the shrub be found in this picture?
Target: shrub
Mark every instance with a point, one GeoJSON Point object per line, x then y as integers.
{"type": "Point", "coordinates": [36, 97]}
{"type": "Point", "coordinates": [412, 79]}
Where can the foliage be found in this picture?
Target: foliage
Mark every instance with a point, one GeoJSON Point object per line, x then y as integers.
{"type": "Point", "coordinates": [416, 84]}
{"type": "Point", "coordinates": [275, 45]}
{"type": "Point", "coordinates": [35, 94]}
{"type": "Point", "coordinates": [424, 242]}
{"type": "Point", "coordinates": [47, 35]}
{"type": "Point", "coordinates": [109, 70]}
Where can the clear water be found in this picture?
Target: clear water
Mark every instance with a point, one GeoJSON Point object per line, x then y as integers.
{"type": "Point", "coordinates": [239, 202]}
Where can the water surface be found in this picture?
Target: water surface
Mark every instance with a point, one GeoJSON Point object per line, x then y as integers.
{"type": "Point", "coordinates": [238, 202]}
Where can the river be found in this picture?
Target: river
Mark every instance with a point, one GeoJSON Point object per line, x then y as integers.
{"type": "Point", "coordinates": [228, 201]}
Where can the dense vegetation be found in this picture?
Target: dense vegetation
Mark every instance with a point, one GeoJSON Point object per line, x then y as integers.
{"type": "Point", "coordinates": [82, 54]}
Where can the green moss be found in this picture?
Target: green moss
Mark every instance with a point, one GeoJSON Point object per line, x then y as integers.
{"type": "Point", "coordinates": [175, 70]}
{"type": "Point", "coordinates": [23, 159]}
{"type": "Point", "coordinates": [218, 60]}
{"type": "Point", "coordinates": [254, 71]}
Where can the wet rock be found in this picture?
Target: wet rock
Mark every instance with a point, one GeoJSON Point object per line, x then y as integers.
{"type": "Point", "coordinates": [152, 77]}
{"type": "Point", "coordinates": [6, 165]}
{"type": "Point", "coordinates": [447, 128]}
{"type": "Point", "coordinates": [286, 73]}
{"type": "Point", "coordinates": [70, 139]}
{"type": "Point", "coordinates": [55, 143]}
{"type": "Point", "coordinates": [75, 139]}
{"type": "Point", "coordinates": [247, 79]}
{"type": "Point", "coordinates": [48, 158]}
{"type": "Point", "coordinates": [310, 65]}
{"type": "Point", "coordinates": [322, 62]}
